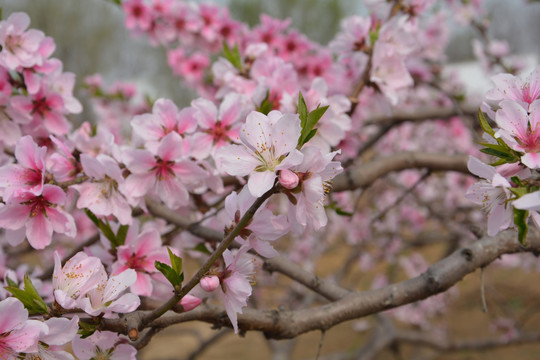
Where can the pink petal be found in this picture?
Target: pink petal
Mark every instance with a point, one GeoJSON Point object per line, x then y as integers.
{"type": "Point", "coordinates": [285, 134]}
{"type": "Point", "coordinates": [531, 160]}
{"type": "Point", "coordinates": [14, 216]}
{"type": "Point", "coordinates": [207, 112]}
{"type": "Point", "coordinates": [528, 202]}
{"type": "Point", "coordinates": [13, 315]}
{"type": "Point", "coordinates": [143, 285]}
{"type": "Point", "coordinates": [260, 182]}
{"type": "Point", "coordinates": [236, 160]}
{"type": "Point", "coordinates": [39, 231]}
{"type": "Point", "coordinates": [478, 168]}
{"type": "Point", "coordinates": [170, 147]}
{"type": "Point", "coordinates": [230, 109]}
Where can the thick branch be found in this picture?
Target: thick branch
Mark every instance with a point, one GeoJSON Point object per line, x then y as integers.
{"type": "Point", "coordinates": [328, 289]}
{"type": "Point", "coordinates": [365, 174]}
{"type": "Point", "coordinates": [288, 324]}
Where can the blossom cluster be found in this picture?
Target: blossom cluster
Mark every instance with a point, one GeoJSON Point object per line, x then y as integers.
{"type": "Point", "coordinates": [509, 192]}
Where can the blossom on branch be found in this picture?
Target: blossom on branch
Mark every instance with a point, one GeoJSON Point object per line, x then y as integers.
{"type": "Point", "coordinates": [269, 145]}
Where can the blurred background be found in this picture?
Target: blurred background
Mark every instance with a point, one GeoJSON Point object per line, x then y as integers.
{"type": "Point", "coordinates": [91, 38]}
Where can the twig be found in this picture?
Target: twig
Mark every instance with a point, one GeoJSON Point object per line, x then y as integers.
{"type": "Point", "coordinates": [483, 290]}
{"type": "Point", "coordinates": [363, 175]}
{"type": "Point", "coordinates": [223, 245]}
{"type": "Point", "coordinates": [208, 342]}
{"type": "Point", "coordinates": [400, 198]}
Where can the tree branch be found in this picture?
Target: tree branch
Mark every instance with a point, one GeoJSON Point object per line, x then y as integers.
{"type": "Point", "coordinates": [363, 175]}
{"type": "Point", "coordinates": [288, 324]}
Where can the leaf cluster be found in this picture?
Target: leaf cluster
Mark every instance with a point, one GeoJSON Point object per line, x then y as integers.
{"type": "Point", "coordinates": [308, 120]}
{"type": "Point", "coordinates": [174, 272]}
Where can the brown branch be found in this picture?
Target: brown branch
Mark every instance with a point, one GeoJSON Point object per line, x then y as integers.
{"type": "Point", "coordinates": [386, 124]}
{"type": "Point", "coordinates": [288, 324]}
{"type": "Point", "coordinates": [220, 249]}
{"type": "Point", "coordinates": [207, 343]}
{"type": "Point", "coordinates": [328, 289]}
{"type": "Point", "coordinates": [365, 174]}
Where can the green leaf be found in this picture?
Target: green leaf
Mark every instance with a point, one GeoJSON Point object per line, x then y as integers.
{"type": "Point", "coordinates": [374, 35]}
{"type": "Point", "coordinates": [22, 295]}
{"type": "Point", "coordinates": [517, 181]}
{"type": "Point", "coordinates": [484, 124]}
{"type": "Point", "coordinates": [169, 273]}
{"type": "Point", "coordinates": [233, 55]}
{"type": "Point", "coordinates": [266, 105]}
{"type": "Point", "coordinates": [498, 153]}
{"type": "Point", "coordinates": [121, 234]}
{"type": "Point", "coordinates": [520, 219]}
{"type": "Point", "coordinates": [519, 191]}
{"type": "Point", "coordinates": [302, 110]}
{"type": "Point", "coordinates": [339, 210]}
{"type": "Point", "coordinates": [500, 162]}
{"type": "Point", "coordinates": [86, 329]}
{"type": "Point", "coordinates": [104, 227]}
{"type": "Point", "coordinates": [176, 262]}
{"type": "Point", "coordinates": [92, 217]}
{"type": "Point", "coordinates": [30, 298]}
{"type": "Point", "coordinates": [312, 120]}
{"type": "Point", "coordinates": [201, 248]}
{"type": "Point", "coordinates": [310, 135]}
{"type": "Point", "coordinates": [37, 299]}
{"type": "Point", "coordinates": [11, 283]}
{"type": "Point", "coordinates": [343, 212]}
{"type": "Point", "coordinates": [314, 116]}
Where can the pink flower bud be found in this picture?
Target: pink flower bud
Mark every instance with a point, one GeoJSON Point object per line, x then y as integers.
{"type": "Point", "coordinates": [288, 179]}
{"type": "Point", "coordinates": [189, 302]}
{"type": "Point", "coordinates": [209, 283]}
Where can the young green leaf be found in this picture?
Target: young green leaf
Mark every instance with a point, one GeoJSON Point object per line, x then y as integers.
{"type": "Point", "coordinates": [86, 329]}
{"type": "Point", "coordinates": [11, 282]}
{"type": "Point", "coordinates": [169, 273]}
{"type": "Point", "coordinates": [104, 227]}
{"type": "Point", "coordinates": [30, 298]}
{"type": "Point", "coordinates": [176, 262]}
{"type": "Point", "coordinates": [233, 56]}
{"type": "Point", "coordinates": [311, 121]}
{"type": "Point", "coordinates": [484, 124]}
{"type": "Point", "coordinates": [519, 191]}
{"type": "Point", "coordinates": [310, 135]}
{"type": "Point", "coordinates": [302, 110]}
{"type": "Point", "coordinates": [121, 234]}
{"type": "Point", "coordinates": [266, 105]}
{"type": "Point", "coordinates": [37, 299]}
{"type": "Point", "coordinates": [520, 219]}
{"type": "Point", "coordinates": [499, 153]}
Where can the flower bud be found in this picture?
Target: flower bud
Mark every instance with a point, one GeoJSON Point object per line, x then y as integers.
{"type": "Point", "coordinates": [209, 283]}
{"type": "Point", "coordinates": [189, 302]}
{"type": "Point", "coordinates": [288, 179]}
